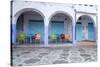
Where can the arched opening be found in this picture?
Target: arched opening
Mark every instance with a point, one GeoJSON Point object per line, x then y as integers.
{"type": "Point", "coordinates": [60, 29]}
{"type": "Point", "coordinates": [85, 29]}
{"type": "Point", "coordinates": [30, 28]}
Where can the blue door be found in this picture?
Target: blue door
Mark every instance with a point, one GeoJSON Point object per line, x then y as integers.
{"type": "Point", "coordinates": [36, 26]}
{"type": "Point", "coordinates": [79, 34]}
{"type": "Point", "coordinates": [57, 27]}
{"type": "Point", "coordinates": [91, 30]}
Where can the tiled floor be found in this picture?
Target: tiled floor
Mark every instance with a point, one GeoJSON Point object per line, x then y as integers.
{"type": "Point", "coordinates": [53, 55]}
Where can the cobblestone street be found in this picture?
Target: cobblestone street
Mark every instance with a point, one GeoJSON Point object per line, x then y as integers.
{"type": "Point", "coordinates": [53, 55]}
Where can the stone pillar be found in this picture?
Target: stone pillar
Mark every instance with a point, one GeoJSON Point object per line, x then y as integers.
{"type": "Point", "coordinates": [13, 31]}
{"type": "Point", "coordinates": [73, 24]}
{"type": "Point", "coordinates": [46, 22]}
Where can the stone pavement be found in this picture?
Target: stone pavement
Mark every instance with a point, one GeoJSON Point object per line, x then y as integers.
{"type": "Point", "coordinates": [27, 56]}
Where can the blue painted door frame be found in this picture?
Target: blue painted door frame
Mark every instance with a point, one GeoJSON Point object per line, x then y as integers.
{"type": "Point", "coordinates": [78, 32]}
{"type": "Point", "coordinates": [91, 31]}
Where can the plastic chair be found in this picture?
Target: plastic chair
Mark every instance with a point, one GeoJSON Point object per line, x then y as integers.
{"type": "Point", "coordinates": [22, 38]}
{"type": "Point", "coordinates": [62, 36]}
{"type": "Point", "coordinates": [49, 38]}
{"type": "Point", "coordinates": [58, 38]}
{"type": "Point", "coordinates": [53, 37]}
{"type": "Point", "coordinates": [30, 38]}
{"type": "Point", "coordinates": [67, 37]}
{"type": "Point", "coordinates": [37, 37]}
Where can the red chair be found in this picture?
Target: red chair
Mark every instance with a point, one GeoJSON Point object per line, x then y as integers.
{"type": "Point", "coordinates": [38, 37]}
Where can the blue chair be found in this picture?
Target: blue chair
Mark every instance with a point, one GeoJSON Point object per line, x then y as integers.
{"type": "Point", "coordinates": [58, 38]}
{"type": "Point", "coordinates": [62, 36]}
{"type": "Point", "coordinates": [49, 38]}
{"type": "Point", "coordinates": [29, 38]}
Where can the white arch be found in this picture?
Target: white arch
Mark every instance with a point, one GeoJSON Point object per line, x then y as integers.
{"type": "Point", "coordinates": [91, 18]}
{"type": "Point", "coordinates": [63, 12]}
{"type": "Point", "coordinates": [16, 16]}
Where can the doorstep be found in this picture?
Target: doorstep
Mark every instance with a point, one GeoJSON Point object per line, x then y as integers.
{"type": "Point", "coordinates": [41, 45]}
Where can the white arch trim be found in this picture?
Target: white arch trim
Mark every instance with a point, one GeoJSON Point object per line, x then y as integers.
{"type": "Point", "coordinates": [16, 16]}
{"type": "Point", "coordinates": [63, 12]}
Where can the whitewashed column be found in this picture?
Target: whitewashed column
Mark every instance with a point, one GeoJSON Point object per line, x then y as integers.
{"type": "Point", "coordinates": [73, 24]}
{"type": "Point", "coordinates": [46, 32]}
{"type": "Point", "coordinates": [13, 31]}
{"type": "Point", "coordinates": [95, 18]}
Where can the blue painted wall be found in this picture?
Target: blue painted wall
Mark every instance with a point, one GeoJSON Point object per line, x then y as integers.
{"type": "Point", "coordinates": [57, 27]}
{"type": "Point", "coordinates": [36, 26]}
